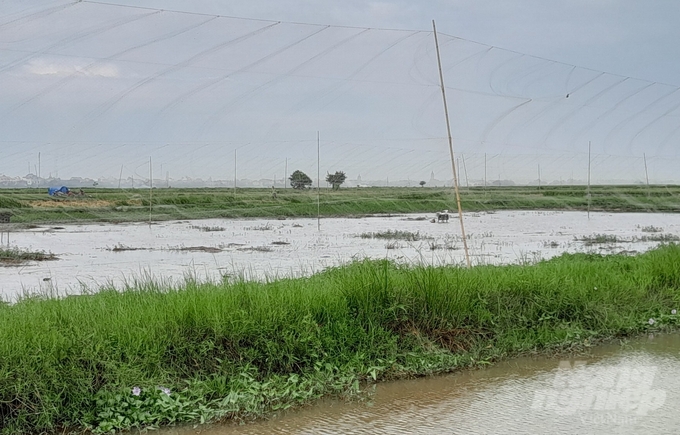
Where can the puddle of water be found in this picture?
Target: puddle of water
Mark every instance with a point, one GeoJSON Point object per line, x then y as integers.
{"type": "Point", "coordinates": [208, 249]}
{"type": "Point", "coordinates": [627, 389]}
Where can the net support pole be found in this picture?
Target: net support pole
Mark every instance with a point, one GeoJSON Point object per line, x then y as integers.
{"type": "Point", "coordinates": [484, 172]}
{"type": "Point", "coordinates": [588, 194]}
{"type": "Point", "coordinates": [644, 159]}
{"type": "Point", "coordinates": [318, 181]}
{"type": "Point", "coordinates": [453, 159]}
{"type": "Point", "coordinates": [150, 189]}
{"type": "Point", "coordinates": [467, 182]}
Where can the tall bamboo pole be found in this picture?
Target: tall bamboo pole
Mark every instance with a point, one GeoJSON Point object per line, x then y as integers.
{"type": "Point", "coordinates": [453, 159]}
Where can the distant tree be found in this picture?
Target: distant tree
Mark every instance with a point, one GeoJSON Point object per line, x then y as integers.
{"type": "Point", "coordinates": [422, 184]}
{"type": "Point", "coordinates": [336, 179]}
{"type": "Point", "coordinates": [299, 180]}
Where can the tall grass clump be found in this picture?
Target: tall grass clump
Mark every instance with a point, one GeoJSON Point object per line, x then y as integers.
{"type": "Point", "coordinates": [153, 355]}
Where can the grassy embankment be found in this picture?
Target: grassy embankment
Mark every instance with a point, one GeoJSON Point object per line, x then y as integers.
{"type": "Point", "coordinates": [242, 349]}
{"type": "Point", "coordinates": [113, 205]}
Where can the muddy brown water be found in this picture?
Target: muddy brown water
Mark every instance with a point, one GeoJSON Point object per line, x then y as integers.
{"type": "Point", "coordinates": [619, 389]}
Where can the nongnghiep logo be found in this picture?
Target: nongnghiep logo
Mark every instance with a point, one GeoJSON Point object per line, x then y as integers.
{"type": "Point", "coordinates": [580, 388]}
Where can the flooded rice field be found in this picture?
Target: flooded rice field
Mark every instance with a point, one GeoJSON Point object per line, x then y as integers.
{"type": "Point", "coordinates": [92, 255]}
{"type": "Point", "coordinates": [629, 389]}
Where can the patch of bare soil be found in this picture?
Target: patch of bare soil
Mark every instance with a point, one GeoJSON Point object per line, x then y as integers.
{"type": "Point", "coordinates": [67, 202]}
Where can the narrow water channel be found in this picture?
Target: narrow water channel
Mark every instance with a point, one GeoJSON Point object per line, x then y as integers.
{"type": "Point", "coordinates": [619, 389]}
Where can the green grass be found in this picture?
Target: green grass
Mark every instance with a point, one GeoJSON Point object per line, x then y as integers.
{"type": "Point", "coordinates": [7, 202]}
{"type": "Point", "coordinates": [243, 349]}
{"type": "Point", "coordinates": [124, 205]}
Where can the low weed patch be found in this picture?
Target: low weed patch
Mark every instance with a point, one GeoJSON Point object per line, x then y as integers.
{"type": "Point", "coordinates": [16, 256]}
{"type": "Point", "coordinates": [396, 235]}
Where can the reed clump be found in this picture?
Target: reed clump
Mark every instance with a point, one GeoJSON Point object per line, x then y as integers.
{"type": "Point", "coordinates": [16, 256]}
{"type": "Point", "coordinates": [152, 355]}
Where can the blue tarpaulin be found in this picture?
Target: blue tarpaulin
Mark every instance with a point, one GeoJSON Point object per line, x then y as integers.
{"type": "Point", "coordinates": [57, 190]}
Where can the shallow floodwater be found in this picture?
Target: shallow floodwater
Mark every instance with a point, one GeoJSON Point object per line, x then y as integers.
{"type": "Point", "coordinates": [92, 255]}
{"type": "Point", "coordinates": [629, 389]}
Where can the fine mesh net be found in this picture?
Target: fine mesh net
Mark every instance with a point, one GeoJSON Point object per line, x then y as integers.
{"type": "Point", "coordinates": [160, 116]}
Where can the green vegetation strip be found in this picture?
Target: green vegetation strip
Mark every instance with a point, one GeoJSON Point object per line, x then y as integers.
{"type": "Point", "coordinates": [127, 205]}
{"type": "Point", "coordinates": [153, 355]}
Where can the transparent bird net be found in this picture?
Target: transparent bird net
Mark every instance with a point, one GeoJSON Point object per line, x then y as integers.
{"type": "Point", "coordinates": [142, 143]}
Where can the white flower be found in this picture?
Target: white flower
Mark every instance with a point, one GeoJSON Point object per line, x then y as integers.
{"type": "Point", "coordinates": [165, 390]}
{"type": "Point", "coordinates": [674, 312]}
{"type": "Point", "coordinates": [652, 321]}
{"type": "Point", "coordinates": [136, 391]}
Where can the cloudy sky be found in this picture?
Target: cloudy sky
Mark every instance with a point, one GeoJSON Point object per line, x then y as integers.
{"type": "Point", "coordinates": [97, 88]}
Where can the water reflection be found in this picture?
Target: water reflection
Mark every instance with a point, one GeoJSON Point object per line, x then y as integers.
{"type": "Point", "coordinates": [620, 389]}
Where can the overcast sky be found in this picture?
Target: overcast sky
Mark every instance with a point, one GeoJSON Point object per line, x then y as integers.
{"type": "Point", "coordinates": [100, 87]}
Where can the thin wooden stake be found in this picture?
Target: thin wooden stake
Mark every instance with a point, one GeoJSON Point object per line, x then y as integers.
{"type": "Point", "coordinates": [150, 189]}
{"type": "Point", "coordinates": [458, 169]}
{"type": "Point", "coordinates": [644, 158]}
{"type": "Point", "coordinates": [318, 182]}
{"type": "Point", "coordinates": [467, 183]}
{"type": "Point", "coordinates": [588, 180]}
{"type": "Point", "coordinates": [453, 159]}
{"type": "Point", "coordinates": [120, 177]}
